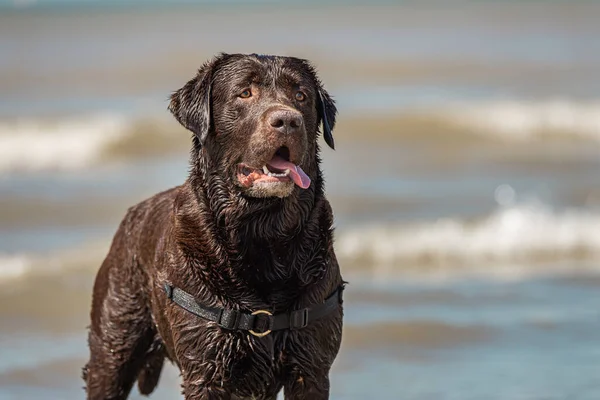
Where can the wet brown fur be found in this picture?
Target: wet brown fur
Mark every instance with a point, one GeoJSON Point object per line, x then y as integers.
{"type": "Point", "coordinates": [213, 239]}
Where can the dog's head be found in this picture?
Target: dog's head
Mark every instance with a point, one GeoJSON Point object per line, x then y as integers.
{"type": "Point", "coordinates": [257, 118]}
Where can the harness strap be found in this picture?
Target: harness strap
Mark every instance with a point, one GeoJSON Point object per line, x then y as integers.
{"type": "Point", "coordinates": [259, 323]}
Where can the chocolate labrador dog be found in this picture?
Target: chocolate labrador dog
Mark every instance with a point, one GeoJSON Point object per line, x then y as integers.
{"type": "Point", "coordinates": [232, 275]}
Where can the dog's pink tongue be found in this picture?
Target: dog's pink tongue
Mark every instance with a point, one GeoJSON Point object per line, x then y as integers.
{"type": "Point", "coordinates": [298, 176]}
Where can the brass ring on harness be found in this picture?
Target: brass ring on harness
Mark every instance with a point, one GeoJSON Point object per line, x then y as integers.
{"type": "Point", "coordinates": [265, 333]}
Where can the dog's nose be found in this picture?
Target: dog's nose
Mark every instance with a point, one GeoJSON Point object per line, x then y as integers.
{"type": "Point", "coordinates": [285, 121]}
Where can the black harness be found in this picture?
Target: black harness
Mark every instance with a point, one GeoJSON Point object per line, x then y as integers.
{"type": "Point", "coordinates": [259, 323]}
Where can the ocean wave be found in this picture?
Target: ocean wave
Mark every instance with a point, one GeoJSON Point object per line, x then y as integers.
{"type": "Point", "coordinates": [15, 266]}
{"type": "Point", "coordinates": [60, 144]}
{"type": "Point", "coordinates": [496, 121]}
{"type": "Point", "coordinates": [519, 120]}
{"type": "Point", "coordinates": [70, 143]}
{"type": "Point", "coordinates": [512, 240]}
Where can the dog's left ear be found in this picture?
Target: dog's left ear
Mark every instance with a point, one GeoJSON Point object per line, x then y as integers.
{"type": "Point", "coordinates": [327, 112]}
{"type": "Point", "coordinates": [191, 105]}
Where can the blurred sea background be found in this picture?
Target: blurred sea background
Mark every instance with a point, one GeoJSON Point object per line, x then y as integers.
{"type": "Point", "coordinates": [465, 183]}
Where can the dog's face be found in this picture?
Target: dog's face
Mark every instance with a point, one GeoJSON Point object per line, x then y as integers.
{"type": "Point", "coordinates": [257, 118]}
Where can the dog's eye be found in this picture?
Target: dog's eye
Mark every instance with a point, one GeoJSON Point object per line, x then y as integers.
{"type": "Point", "coordinates": [246, 94]}
{"type": "Point", "coordinates": [300, 96]}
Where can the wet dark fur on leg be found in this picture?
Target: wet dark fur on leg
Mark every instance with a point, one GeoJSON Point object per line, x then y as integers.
{"type": "Point", "coordinates": [247, 248]}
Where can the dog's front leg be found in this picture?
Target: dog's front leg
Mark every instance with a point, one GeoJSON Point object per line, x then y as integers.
{"type": "Point", "coordinates": [195, 348]}
{"type": "Point", "coordinates": [200, 380]}
{"type": "Point", "coordinates": [300, 386]}
{"type": "Point", "coordinates": [192, 391]}
{"type": "Point", "coordinates": [198, 385]}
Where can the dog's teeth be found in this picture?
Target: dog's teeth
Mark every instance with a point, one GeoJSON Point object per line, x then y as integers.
{"type": "Point", "coordinates": [266, 170]}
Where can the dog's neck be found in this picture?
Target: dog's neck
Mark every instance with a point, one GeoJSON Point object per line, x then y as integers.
{"type": "Point", "coordinates": [256, 243]}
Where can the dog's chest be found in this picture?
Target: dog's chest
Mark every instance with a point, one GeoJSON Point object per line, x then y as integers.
{"type": "Point", "coordinates": [248, 366]}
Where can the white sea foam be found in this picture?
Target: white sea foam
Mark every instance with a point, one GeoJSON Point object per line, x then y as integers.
{"type": "Point", "coordinates": [71, 143]}
{"type": "Point", "coordinates": [520, 120]}
{"type": "Point", "coordinates": [514, 236]}
{"type": "Point", "coordinates": [15, 266]}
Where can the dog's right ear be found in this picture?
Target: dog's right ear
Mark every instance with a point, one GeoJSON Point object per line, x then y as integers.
{"type": "Point", "coordinates": [191, 105]}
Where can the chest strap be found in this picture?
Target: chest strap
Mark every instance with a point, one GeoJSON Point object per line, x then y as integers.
{"type": "Point", "coordinates": [259, 323]}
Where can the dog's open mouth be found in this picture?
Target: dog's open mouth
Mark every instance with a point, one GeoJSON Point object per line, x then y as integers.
{"type": "Point", "coordinates": [278, 169]}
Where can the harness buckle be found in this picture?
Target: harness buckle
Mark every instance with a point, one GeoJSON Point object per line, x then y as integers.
{"type": "Point", "coordinates": [228, 319]}
{"type": "Point", "coordinates": [265, 333]}
{"type": "Point", "coordinates": [299, 319]}
{"type": "Point", "coordinates": [169, 291]}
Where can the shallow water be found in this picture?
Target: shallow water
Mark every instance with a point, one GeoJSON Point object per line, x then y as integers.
{"type": "Point", "coordinates": [465, 182]}
{"type": "Point", "coordinates": [469, 339]}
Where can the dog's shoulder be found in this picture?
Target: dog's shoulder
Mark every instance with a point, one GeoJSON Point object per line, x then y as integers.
{"type": "Point", "coordinates": [147, 220]}
{"type": "Point", "coordinates": [156, 207]}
